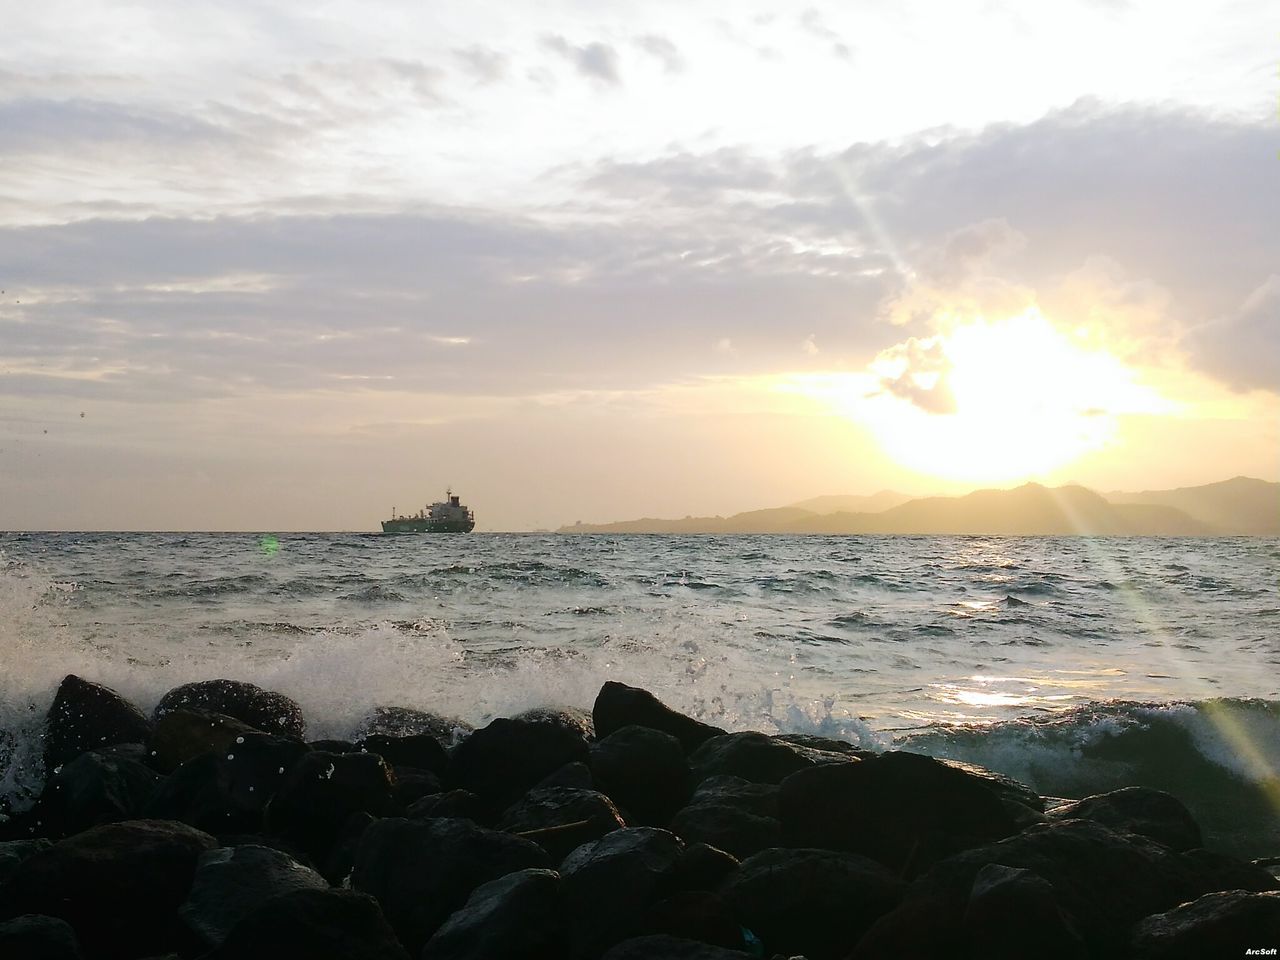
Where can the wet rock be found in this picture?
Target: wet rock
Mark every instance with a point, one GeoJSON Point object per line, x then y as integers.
{"type": "Point", "coordinates": [571, 718]}
{"type": "Point", "coordinates": [1009, 909]}
{"type": "Point", "coordinates": [755, 757]}
{"type": "Point", "coordinates": [901, 809]}
{"type": "Point", "coordinates": [183, 734]}
{"type": "Point", "coordinates": [695, 915]}
{"type": "Point", "coordinates": [341, 859]}
{"type": "Point", "coordinates": [663, 947]}
{"type": "Point", "coordinates": [93, 789]}
{"type": "Point", "coordinates": [815, 902]}
{"type": "Point", "coordinates": [13, 852]}
{"type": "Point", "coordinates": [606, 886]}
{"type": "Point", "coordinates": [420, 871]}
{"type": "Point", "coordinates": [411, 785]}
{"type": "Point", "coordinates": [34, 937]}
{"type": "Point", "coordinates": [1224, 924]}
{"type": "Point", "coordinates": [731, 828]}
{"type": "Point", "coordinates": [618, 705]}
{"type": "Point", "coordinates": [1006, 788]}
{"type": "Point", "coordinates": [500, 762]}
{"type": "Point", "coordinates": [263, 710]}
{"type": "Point", "coordinates": [119, 885]}
{"type": "Point", "coordinates": [644, 771]}
{"type": "Point", "coordinates": [408, 722]}
{"type": "Point", "coordinates": [333, 746]}
{"type": "Point", "coordinates": [576, 775]}
{"type": "Point", "coordinates": [1151, 813]}
{"type": "Point", "coordinates": [560, 819]}
{"type": "Point", "coordinates": [227, 793]}
{"type": "Point", "coordinates": [421, 751]}
{"type": "Point", "coordinates": [231, 882]}
{"type": "Point", "coordinates": [1219, 871]}
{"type": "Point", "coordinates": [511, 918]}
{"type": "Point", "coordinates": [452, 804]}
{"type": "Point", "coordinates": [321, 791]}
{"type": "Point", "coordinates": [315, 924]}
{"type": "Point", "coordinates": [702, 867]}
{"type": "Point", "coordinates": [85, 716]}
{"type": "Point", "coordinates": [825, 744]}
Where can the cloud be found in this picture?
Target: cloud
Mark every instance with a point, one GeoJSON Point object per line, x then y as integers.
{"type": "Point", "coordinates": [596, 61]}
{"type": "Point", "coordinates": [916, 371]}
{"type": "Point", "coordinates": [484, 64]}
{"type": "Point", "coordinates": [812, 22]}
{"type": "Point", "coordinates": [1243, 347]}
{"type": "Point", "coordinates": [664, 50]}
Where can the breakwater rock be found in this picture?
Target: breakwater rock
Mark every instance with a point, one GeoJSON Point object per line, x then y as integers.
{"type": "Point", "coordinates": [213, 829]}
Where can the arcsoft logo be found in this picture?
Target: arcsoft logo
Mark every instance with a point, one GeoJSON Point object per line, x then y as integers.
{"type": "Point", "coordinates": [1260, 952]}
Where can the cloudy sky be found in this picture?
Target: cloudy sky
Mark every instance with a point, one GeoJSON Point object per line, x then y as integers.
{"type": "Point", "coordinates": [272, 265]}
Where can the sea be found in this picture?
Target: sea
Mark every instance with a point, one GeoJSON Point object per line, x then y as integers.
{"type": "Point", "coordinates": [1076, 665]}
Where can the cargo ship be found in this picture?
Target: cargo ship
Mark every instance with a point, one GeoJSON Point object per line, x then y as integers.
{"type": "Point", "coordinates": [444, 516]}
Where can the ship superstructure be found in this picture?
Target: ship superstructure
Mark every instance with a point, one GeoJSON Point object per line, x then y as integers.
{"type": "Point", "coordinates": [444, 516]}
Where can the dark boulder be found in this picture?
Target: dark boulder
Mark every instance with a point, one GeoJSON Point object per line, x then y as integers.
{"type": "Point", "coordinates": [93, 789]}
{"type": "Point", "coordinates": [231, 882]}
{"type": "Point", "coordinates": [1221, 871]}
{"type": "Point", "coordinates": [315, 924]}
{"type": "Point", "coordinates": [903, 809]}
{"type": "Point", "coordinates": [755, 757]}
{"type": "Point", "coordinates": [1010, 908]}
{"type": "Point", "coordinates": [815, 902]}
{"type": "Point", "coordinates": [695, 915]}
{"type": "Point", "coordinates": [13, 852]}
{"type": "Point", "coordinates": [825, 744]}
{"type": "Point", "coordinates": [1152, 813]}
{"type": "Point", "coordinates": [34, 937]}
{"type": "Point", "coordinates": [452, 804]}
{"type": "Point", "coordinates": [263, 710]}
{"type": "Point", "coordinates": [420, 871]}
{"type": "Point", "coordinates": [618, 705]}
{"type": "Point", "coordinates": [85, 716]}
{"type": "Point", "coordinates": [341, 859]}
{"type": "Point", "coordinates": [702, 867]}
{"type": "Point", "coordinates": [182, 735]}
{"type": "Point", "coordinates": [501, 761]}
{"type": "Point", "coordinates": [576, 774]}
{"type": "Point", "coordinates": [421, 751]}
{"type": "Point", "coordinates": [412, 784]}
{"type": "Point", "coordinates": [606, 886]}
{"type": "Point", "coordinates": [321, 791]}
{"type": "Point", "coordinates": [663, 947]}
{"type": "Point", "coordinates": [227, 793]}
{"type": "Point", "coordinates": [644, 771]}
{"type": "Point", "coordinates": [511, 918]}
{"type": "Point", "coordinates": [408, 722]}
{"type": "Point", "coordinates": [560, 819]}
{"type": "Point", "coordinates": [732, 814]}
{"type": "Point", "coordinates": [119, 885]}
{"type": "Point", "coordinates": [1224, 924]}
{"type": "Point", "coordinates": [571, 718]}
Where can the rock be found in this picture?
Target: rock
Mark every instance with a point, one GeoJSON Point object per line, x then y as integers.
{"type": "Point", "coordinates": [13, 852]}
{"type": "Point", "coordinates": [315, 924]}
{"type": "Point", "coordinates": [1219, 871]}
{"type": "Point", "coordinates": [337, 866]}
{"type": "Point", "coordinates": [560, 819]}
{"type": "Point", "coordinates": [407, 722]}
{"type": "Point", "coordinates": [333, 746]}
{"type": "Point", "coordinates": [695, 915]}
{"type": "Point", "coordinates": [85, 716]}
{"type": "Point", "coordinates": [815, 902]}
{"type": "Point", "coordinates": [452, 804]}
{"type": "Point", "coordinates": [183, 734]}
{"type": "Point", "coordinates": [606, 886]}
{"type": "Point", "coordinates": [231, 882]}
{"type": "Point", "coordinates": [93, 789]}
{"type": "Point", "coordinates": [1224, 924]}
{"type": "Point", "coordinates": [902, 809]}
{"type": "Point", "coordinates": [755, 757]}
{"type": "Point", "coordinates": [227, 793]}
{"type": "Point", "coordinates": [825, 744]}
{"type": "Point", "coordinates": [34, 937]}
{"type": "Point", "coordinates": [321, 791]}
{"type": "Point", "coordinates": [1006, 788]}
{"type": "Point", "coordinates": [618, 705]}
{"type": "Point", "coordinates": [732, 814]}
{"type": "Point", "coordinates": [411, 785]}
{"type": "Point", "coordinates": [571, 718]}
{"type": "Point", "coordinates": [702, 867]}
{"type": "Point", "coordinates": [1010, 908]}
{"type": "Point", "coordinates": [420, 750]}
{"type": "Point", "coordinates": [1152, 813]}
{"type": "Point", "coordinates": [644, 771]}
{"type": "Point", "coordinates": [1103, 880]}
{"type": "Point", "coordinates": [119, 885]}
{"type": "Point", "coordinates": [662, 947]}
{"type": "Point", "coordinates": [511, 918]}
{"type": "Point", "coordinates": [503, 760]}
{"type": "Point", "coordinates": [420, 871]}
{"type": "Point", "coordinates": [261, 709]}
{"type": "Point", "coordinates": [576, 774]}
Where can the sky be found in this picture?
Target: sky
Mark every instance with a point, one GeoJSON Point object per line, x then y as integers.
{"type": "Point", "coordinates": [280, 266]}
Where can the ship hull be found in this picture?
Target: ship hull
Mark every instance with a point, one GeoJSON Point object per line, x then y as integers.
{"type": "Point", "coordinates": [427, 525]}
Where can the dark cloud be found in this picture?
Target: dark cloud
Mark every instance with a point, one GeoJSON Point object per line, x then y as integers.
{"type": "Point", "coordinates": [597, 61]}
{"type": "Point", "coordinates": [664, 50]}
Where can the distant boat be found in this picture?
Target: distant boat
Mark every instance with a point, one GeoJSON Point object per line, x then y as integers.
{"type": "Point", "coordinates": [444, 516]}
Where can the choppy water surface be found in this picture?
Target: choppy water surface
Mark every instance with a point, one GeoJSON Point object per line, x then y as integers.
{"type": "Point", "coordinates": [1069, 662]}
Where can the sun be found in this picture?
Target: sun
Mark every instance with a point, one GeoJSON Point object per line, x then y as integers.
{"type": "Point", "coordinates": [992, 401]}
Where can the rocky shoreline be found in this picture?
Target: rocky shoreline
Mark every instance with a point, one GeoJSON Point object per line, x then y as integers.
{"type": "Point", "coordinates": [213, 829]}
